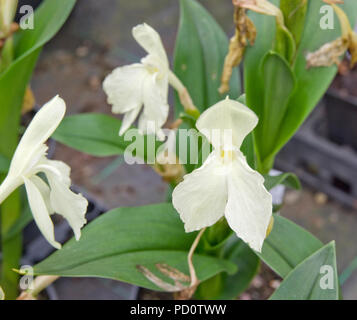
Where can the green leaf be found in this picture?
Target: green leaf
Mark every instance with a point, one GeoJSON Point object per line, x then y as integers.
{"type": "Point", "coordinates": [98, 135]}
{"type": "Point", "coordinates": [248, 144]}
{"type": "Point", "coordinates": [346, 273]}
{"type": "Point", "coordinates": [201, 47]}
{"type": "Point", "coordinates": [248, 265]}
{"type": "Point", "coordinates": [311, 83]}
{"type": "Point", "coordinates": [279, 83]}
{"type": "Point", "coordinates": [113, 245]}
{"type": "Point", "coordinates": [288, 179]}
{"type": "Point", "coordinates": [24, 219]}
{"type": "Point", "coordinates": [4, 164]}
{"type": "Point", "coordinates": [287, 246]}
{"type": "Point", "coordinates": [307, 280]}
{"type": "Point", "coordinates": [92, 133]}
{"type": "Point", "coordinates": [253, 81]}
{"type": "Point", "coordinates": [294, 12]}
{"type": "Point", "coordinates": [49, 17]}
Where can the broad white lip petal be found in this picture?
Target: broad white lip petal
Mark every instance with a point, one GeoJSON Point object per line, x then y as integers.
{"type": "Point", "coordinates": [201, 198]}
{"type": "Point", "coordinates": [150, 40]}
{"type": "Point", "coordinates": [124, 88]}
{"type": "Point", "coordinates": [40, 213]}
{"type": "Point", "coordinates": [249, 205]}
{"type": "Point", "coordinates": [40, 129]}
{"type": "Point", "coordinates": [227, 115]}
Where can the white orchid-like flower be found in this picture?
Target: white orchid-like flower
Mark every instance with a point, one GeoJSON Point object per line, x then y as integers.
{"type": "Point", "coordinates": [29, 160]}
{"type": "Point", "coordinates": [225, 185]}
{"type": "Point", "coordinates": [130, 87]}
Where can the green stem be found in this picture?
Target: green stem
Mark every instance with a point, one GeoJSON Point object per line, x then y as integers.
{"type": "Point", "coordinates": [11, 247]}
{"type": "Point", "coordinates": [7, 54]}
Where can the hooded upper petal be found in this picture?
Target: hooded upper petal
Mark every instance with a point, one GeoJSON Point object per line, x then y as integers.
{"type": "Point", "coordinates": [150, 40]}
{"type": "Point", "coordinates": [40, 212]}
{"type": "Point", "coordinates": [249, 206]}
{"type": "Point", "coordinates": [227, 123]}
{"type": "Point", "coordinates": [124, 88]}
{"type": "Point", "coordinates": [201, 197]}
{"type": "Point", "coordinates": [31, 147]}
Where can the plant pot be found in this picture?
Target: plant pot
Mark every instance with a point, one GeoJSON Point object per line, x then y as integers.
{"type": "Point", "coordinates": [341, 111]}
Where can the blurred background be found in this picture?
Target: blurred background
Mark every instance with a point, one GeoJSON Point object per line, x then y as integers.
{"type": "Point", "coordinates": [97, 38]}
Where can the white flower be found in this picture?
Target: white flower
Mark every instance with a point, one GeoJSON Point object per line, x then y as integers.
{"type": "Point", "coordinates": [225, 185]}
{"type": "Point", "coordinates": [130, 87]}
{"type": "Point", "coordinates": [29, 160]}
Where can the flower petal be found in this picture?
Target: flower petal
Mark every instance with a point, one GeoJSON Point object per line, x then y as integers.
{"type": "Point", "coordinates": [40, 129]}
{"type": "Point", "coordinates": [40, 213]}
{"type": "Point", "coordinates": [71, 206]}
{"type": "Point", "coordinates": [128, 119]}
{"type": "Point", "coordinates": [227, 122]}
{"type": "Point", "coordinates": [156, 109]}
{"type": "Point", "coordinates": [150, 40]}
{"type": "Point", "coordinates": [9, 185]}
{"type": "Point", "coordinates": [45, 191]}
{"type": "Point", "coordinates": [201, 198]}
{"type": "Point", "coordinates": [124, 87]}
{"type": "Point", "coordinates": [249, 205]}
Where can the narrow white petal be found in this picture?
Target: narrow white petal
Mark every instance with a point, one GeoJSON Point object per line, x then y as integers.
{"type": "Point", "coordinates": [249, 205]}
{"type": "Point", "coordinates": [45, 191]}
{"type": "Point", "coordinates": [150, 40]}
{"type": "Point", "coordinates": [156, 109]}
{"type": "Point", "coordinates": [71, 206]}
{"type": "Point", "coordinates": [40, 213]}
{"type": "Point", "coordinates": [228, 116]}
{"type": "Point", "coordinates": [129, 119]}
{"type": "Point", "coordinates": [201, 198]}
{"type": "Point", "coordinates": [8, 186]}
{"type": "Point", "coordinates": [124, 87]}
{"type": "Point", "coordinates": [40, 129]}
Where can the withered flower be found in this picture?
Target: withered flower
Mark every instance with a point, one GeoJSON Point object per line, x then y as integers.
{"type": "Point", "coordinates": [245, 31]}
{"type": "Point", "coordinates": [331, 52]}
